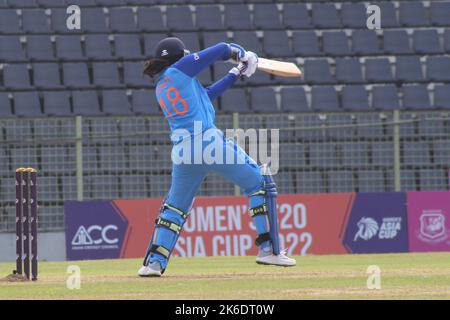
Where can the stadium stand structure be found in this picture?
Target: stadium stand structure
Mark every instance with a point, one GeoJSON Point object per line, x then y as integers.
{"type": "Point", "coordinates": [353, 77]}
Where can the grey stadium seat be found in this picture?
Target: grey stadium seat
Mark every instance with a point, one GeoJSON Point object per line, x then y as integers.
{"type": "Point", "coordinates": [265, 16]}
{"type": "Point", "coordinates": [416, 153]}
{"type": "Point", "coordinates": [98, 47]}
{"type": "Point", "coordinates": [150, 41]}
{"type": "Point", "coordinates": [190, 39]}
{"type": "Point", "coordinates": [234, 100]}
{"type": "Point", "coordinates": [237, 17]}
{"type": "Point", "coordinates": [413, 14]}
{"type": "Point", "coordinates": [427, 42]}
{"type": "Point", "coordinates": [294, 100]}
{"type": "Point", "coordinates": [209, 18]}
{"type": "Point", "coordinates": [325, 15]}
{"type": "Point", "coordinates": [379, 70]}
{"type": "Point", "coordinates": [447, 40]}
{"type": "Point", "coordinates": [310, 182]}
{"type": "Point", "coordinates": [416, 97]}
{"type": "Point", "coordinates": [442, 96]}
{"type": "Point", "coordinates": [103, 186]}
{"type": "Point", "coordinates": [349, 70]}
{"type": "Point", "coordinates": [27, 104]}
{"type": "Point", "coordinates": [35, 21]}
{"type": "Point", "coordinates": [365, 42]}
{"type": "Point", "coordinates": [263, 100]}
{"type": "Point", "coordinates": [46, 76]}
{"type": "Point", "coordinates": [94, 21]}
{"type": "Point", "coordinates": [69, 48]}
{"type": "Point", "coordinates": [335, 43]}
{"type": "Point", "coordinates": [389, 14]}
{"type": "Point", "coordinates": [150, 19]}
{"type": "Point", "coordinates": [323, 155]}
{"type": "Point", "coordinates": [437, 68]}
{"type": "Point", "coordinates": [144, 102]}
{"type": "Point", "coordinates": [344, 130]}
{"type": "Point", "coordinates": [212, 38]}
{"type": "Point", "coordinates": [324, 99]}
{"type": "Point", "coordinates": [305, 43]}
{"type": "Point", "coordinates": [409, 69]}
{"type": "Point", "coordinates": [433, 179]}
{"type": "Point", "coordinates": [292, 156]}
{"type": "Point", "coordinates": [128, 46]}
{"type": "Point", "coordinates": [354, 15]}
{"type": "Point", "coordinates": [276, 44]}
{"type": "Point", "coordinates": [16, 76]}
{"type": "Point", "coordinates": [40, 48]}
{"type": "Point", "coordinates": [5, 105]}
{"type": "Point", "coordinates": [340, 181]}
{"type": "Point", "coordinates": [318, 71]}
{"type": "Point", "coordinates": [364, 130]}
{"type": "Point", "coordinates": [85, 103]}
{"type": "Point", "coordinates": [355, 154]}
{"type": "Point", "coordinates": [296, 16]}
{"type": "Point", "coordinates": [385, 97]}
{"type": "Point", "coordinates": [106, 75]}
{"type": "Point", "coordinates": [11, 49]}
{"type": "Point", "coordinates": [57, 103]}
{"type": "Point", "coordinates": [9, 21]}
{"type": "Point", "coordinates": [58, 21]}
{"type": "Point", "coordinates": [285, 182]}
{"type": "Point", "coordinates": [440, 13]}
{"type": "Point", "coordinates": [248, 40]}
{"type": "Point", "coordinates": [180, 19]}
{"type": "Point", "coordinates": [113, 158]}
{"type": "Point", "coordinates": [441, 152]}
{"type": "Point", "coordinates": [133, 75]}
{"type": "Point", "coordinates": [75, 75]}
{"type": "Point", "coordinates": [371, 181]}
{"type": "Point", "coordinates": [355, 98]}
{"type": "Point", "coordinates": [134, 186]}
{"type": "Point", "coordinates": [115, 102]}
{"type": "Point", "coordinates": [122, 20]}
{"type": "Point", "coordinates": [396, 42]}
{"type": "Point", "coordinates": [382, 154]}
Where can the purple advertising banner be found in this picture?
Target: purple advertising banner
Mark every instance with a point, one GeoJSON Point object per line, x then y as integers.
{"type": "Point", "coordinates": [429, 221]}
{"type": "Point", "coordinates": [377, 224]}
{"type": "Point", "coordinates": [94, 230]}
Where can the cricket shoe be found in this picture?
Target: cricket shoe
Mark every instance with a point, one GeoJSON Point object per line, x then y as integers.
{"type": "Point", "coordinates": [152, 270]}
{"type": "Point", "coordinates": [269, 258]}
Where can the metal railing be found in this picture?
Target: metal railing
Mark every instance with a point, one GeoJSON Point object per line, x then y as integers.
{"type": "Point", "coordinates": [84, 158]}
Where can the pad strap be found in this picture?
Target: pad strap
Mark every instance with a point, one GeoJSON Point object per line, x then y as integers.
{"type": "Point", "coordinates": [181, 213]}
{"type": "Point", "coordinates": [261, 192]}
{"type": "Point", "coordinates": [259, 210]}
{"type": "Point", "coordinates": [262, 238]}
{"type": "Point", "coordinates": [168, 224]}
{"type": "Point", "coordinates": [160, 249]}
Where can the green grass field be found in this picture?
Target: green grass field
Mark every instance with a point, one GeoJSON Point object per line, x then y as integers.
{"type": "Point", "coordinates": [403, 276]}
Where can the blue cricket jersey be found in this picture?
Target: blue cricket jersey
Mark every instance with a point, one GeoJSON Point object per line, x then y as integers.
{"type": "Point", "coordinates": [183, 99]}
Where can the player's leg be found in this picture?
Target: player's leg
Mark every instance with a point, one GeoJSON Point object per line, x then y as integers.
{"type": "Point", "coordinates": [261, 191]}
{"type": "Point", "coordinates": [186, 180]}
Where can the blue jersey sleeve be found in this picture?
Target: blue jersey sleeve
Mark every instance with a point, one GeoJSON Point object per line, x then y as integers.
{"type": "Point", "coordinates": [195, 63]}
{"type": "Point", "coordinates": [220, 86]}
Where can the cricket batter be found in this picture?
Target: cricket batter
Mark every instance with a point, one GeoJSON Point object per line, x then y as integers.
{"type": "Point", "coordinates": [185, 104]}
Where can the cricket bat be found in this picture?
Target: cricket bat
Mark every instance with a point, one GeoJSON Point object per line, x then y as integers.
{"type": "Point", "coordinates": [279, 68]}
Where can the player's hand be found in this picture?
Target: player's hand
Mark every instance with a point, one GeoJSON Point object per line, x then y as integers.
{"type": "Point", "coordinates": [237, 52]}
{"type": "Point", "coordinates": [239, 69]}
{"type": "Point", "coordinates": [251, 60]}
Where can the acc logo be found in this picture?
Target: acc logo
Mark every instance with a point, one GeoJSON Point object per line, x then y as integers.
{"type": "Point", "coordinates": [85, 237]}
{"type": "Point", "coordinates": [432, 226]}
{"type": "Point", "coordinates": [369, 228]}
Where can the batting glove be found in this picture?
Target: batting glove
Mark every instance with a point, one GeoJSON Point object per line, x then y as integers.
{"type": "Point", "coordinates": [237, 52]}
{"type": "Point", "coordinates": [251, 59]}
{"type": "Point", "coordinates": [239, 69]}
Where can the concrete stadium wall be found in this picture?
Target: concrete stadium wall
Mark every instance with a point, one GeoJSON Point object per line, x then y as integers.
{"type": "Point", "coordinates": [51, 246]}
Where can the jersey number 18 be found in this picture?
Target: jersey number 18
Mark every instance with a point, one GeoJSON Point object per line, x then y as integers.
{"type": "Point", "coordinates": [173, 99]}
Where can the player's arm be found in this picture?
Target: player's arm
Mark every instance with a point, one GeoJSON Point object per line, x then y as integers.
{"type": "Point", "coordinates": [195, 63]}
